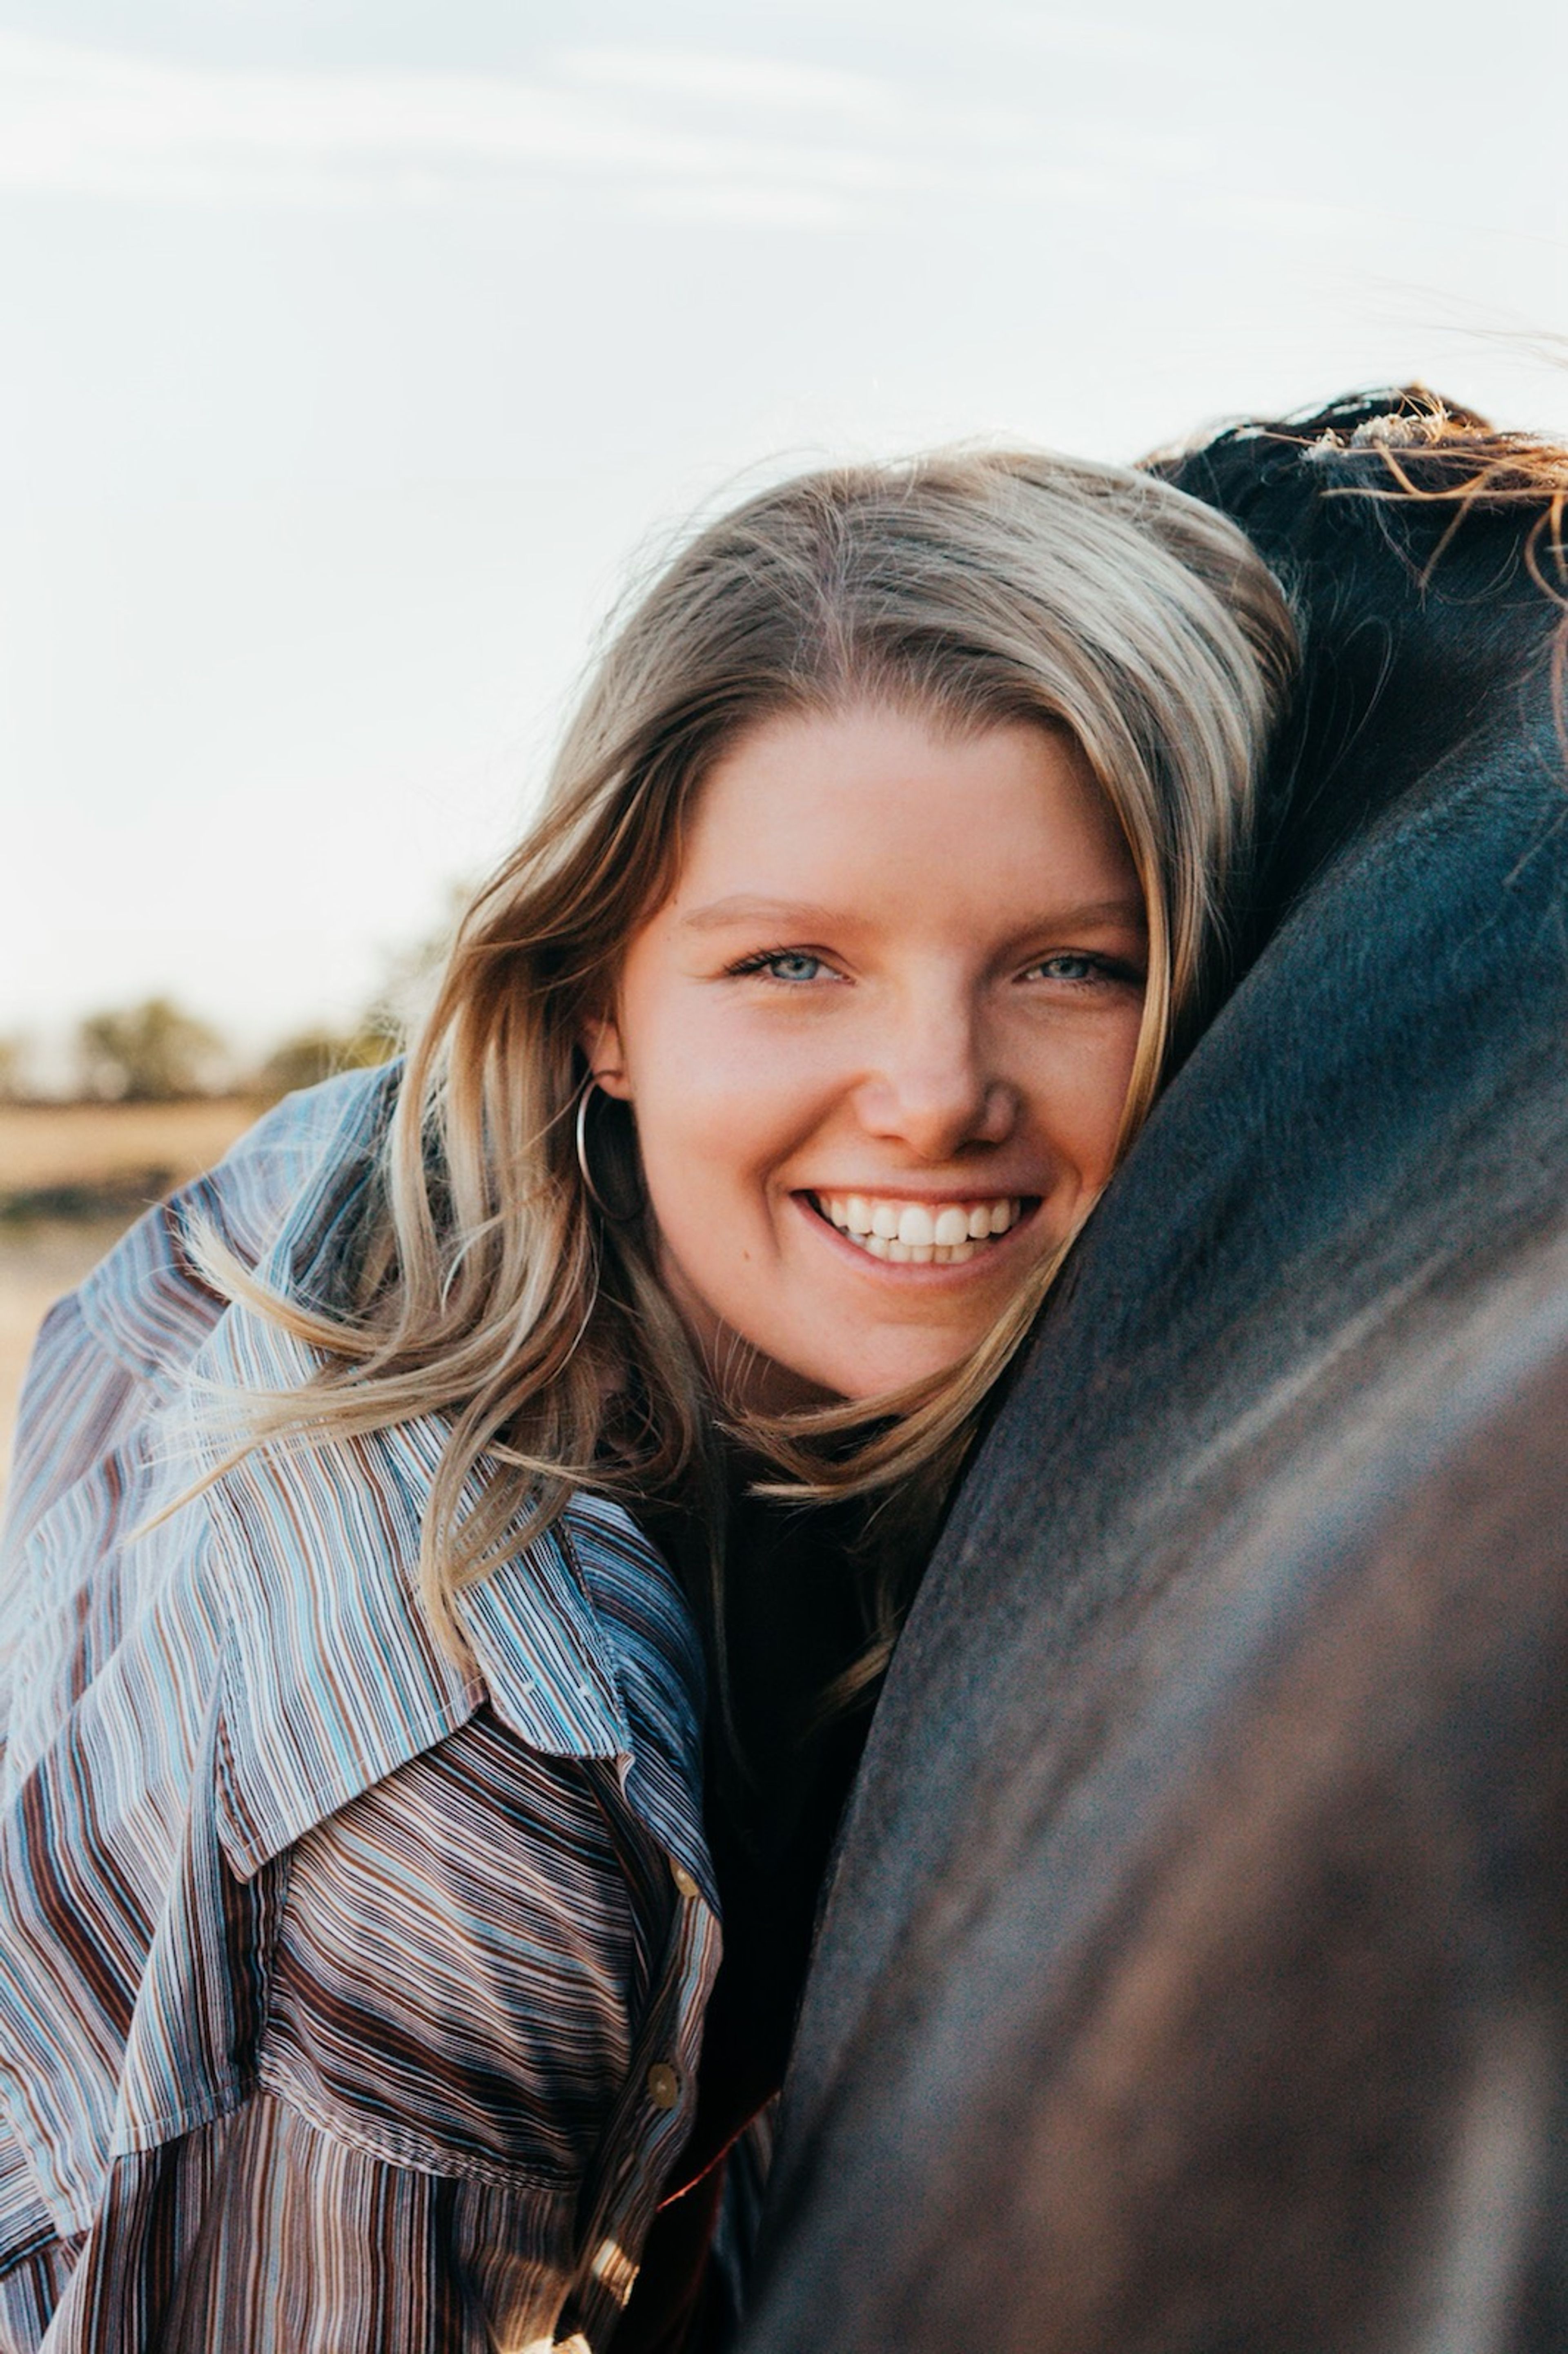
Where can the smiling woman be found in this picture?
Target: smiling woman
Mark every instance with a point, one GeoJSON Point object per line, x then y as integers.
{"type": "Point", "coordinates": [369, 1827]}
{"type": "Point", "coordinates": [877, 1042]}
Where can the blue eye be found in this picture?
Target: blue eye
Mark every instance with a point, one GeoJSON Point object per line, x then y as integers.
{"type": "Point", "coordinates": [1078, 969]}
{"type": "Point", "coordinates": [783, 964]}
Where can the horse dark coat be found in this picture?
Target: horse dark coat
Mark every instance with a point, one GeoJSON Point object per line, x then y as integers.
{"type": "Point", "coordinates": [1193, 1978]}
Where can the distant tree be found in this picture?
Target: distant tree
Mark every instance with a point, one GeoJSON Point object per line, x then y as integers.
{"type": "Point", "coordinates": [12, 1070]}
{"type": "Point", "coordinates": [152, 1053]}
{"type": "Point", "coordinates": [315, 1055]}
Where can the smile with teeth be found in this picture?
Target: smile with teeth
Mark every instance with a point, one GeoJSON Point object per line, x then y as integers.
{"type": "Point", "coordinates": [922, 1233]}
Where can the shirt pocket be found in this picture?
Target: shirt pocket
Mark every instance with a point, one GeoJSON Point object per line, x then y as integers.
{"type": "Point", "coordinates": [455, 1972]}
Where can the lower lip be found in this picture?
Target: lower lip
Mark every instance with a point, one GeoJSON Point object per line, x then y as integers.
{"type": "Point", "coordinates": [888, 1270]}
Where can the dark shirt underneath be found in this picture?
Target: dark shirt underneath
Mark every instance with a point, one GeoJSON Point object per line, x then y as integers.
{"type": "Point", "coordinates": [791, 1627]}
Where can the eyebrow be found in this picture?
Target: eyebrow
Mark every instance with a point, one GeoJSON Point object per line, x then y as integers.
{"type": "Point", "coordinates": [744, 908]}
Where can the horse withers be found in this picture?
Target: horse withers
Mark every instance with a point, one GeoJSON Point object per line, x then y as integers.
{"type": "Point", "coordinates": [1191, 1978]}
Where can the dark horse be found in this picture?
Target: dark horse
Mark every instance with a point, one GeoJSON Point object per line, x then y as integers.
{"type": "Point", "coordinates": [1194, 1978]}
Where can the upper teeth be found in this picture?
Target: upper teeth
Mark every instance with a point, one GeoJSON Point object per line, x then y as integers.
{"type": "Point", "coordinates": [891, 1228]}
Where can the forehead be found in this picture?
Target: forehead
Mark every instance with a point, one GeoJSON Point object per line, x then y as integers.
{"type": "Point", "coordinates": [877, 808]}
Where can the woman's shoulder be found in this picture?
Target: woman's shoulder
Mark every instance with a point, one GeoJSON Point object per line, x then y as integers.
{"type": "Point", "coordinates": [113, 1353]}
{"type": "Point", "coordinates": [268, 1205]}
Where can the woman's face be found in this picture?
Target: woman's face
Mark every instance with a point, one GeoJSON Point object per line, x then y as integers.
{"type": "Point", "coordinates": [877, 1042]}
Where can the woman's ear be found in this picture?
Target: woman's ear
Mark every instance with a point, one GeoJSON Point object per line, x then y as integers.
{"type": "Point", "coordinates": [602, 1044]}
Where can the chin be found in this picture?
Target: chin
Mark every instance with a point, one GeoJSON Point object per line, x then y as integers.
{"type": "Point", "coordinates": [899, 1369]}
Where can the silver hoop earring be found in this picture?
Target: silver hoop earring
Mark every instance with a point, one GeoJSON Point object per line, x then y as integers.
{"type": "Point", "coordinates": [613, 1217]}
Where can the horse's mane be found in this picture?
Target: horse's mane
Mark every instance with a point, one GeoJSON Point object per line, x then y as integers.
{"type": "Point", "coordinates": [1431, 464]}
{"type": "Point", "coordinates": [1432, 448]}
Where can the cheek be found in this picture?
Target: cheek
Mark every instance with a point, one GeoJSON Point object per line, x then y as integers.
{"type": "Point", "coordinates": [716, 1116]}
{"type": "Point", "coordinates": [1080, 1098]}
{"type": "Point", "coordinates": [699, 1059]}
{"type": "Point", "coordinates": [713, 1141]}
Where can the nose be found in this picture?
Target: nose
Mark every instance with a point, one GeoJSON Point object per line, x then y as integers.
{"type": "Point", "coordinates": [932, 1089]}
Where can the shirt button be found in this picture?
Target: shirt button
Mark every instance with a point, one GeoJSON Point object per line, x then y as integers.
{"type": "Point", "coordinates": [664, 2085]}
{"type": "Point", "coordinates": [684, 1880]}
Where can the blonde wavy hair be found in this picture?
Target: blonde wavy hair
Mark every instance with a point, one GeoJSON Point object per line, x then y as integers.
{"type": "Point", "coordinates": [972, 588]}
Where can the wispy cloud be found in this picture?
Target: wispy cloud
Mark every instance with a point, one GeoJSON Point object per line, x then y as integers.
{"type": "Point", "coordinates": [689, 136]}
{"type": "Point", "coordinates": [765, 85]}
{"type": "Point", "coordinates": [1087, 41]}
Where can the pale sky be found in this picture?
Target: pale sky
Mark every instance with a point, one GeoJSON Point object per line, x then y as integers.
{"type": "Point", "coordinates": [357, 351]}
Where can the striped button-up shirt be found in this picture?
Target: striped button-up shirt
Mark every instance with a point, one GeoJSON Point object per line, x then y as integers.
{"type": "Point", "coordinates": [349, 1999]}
